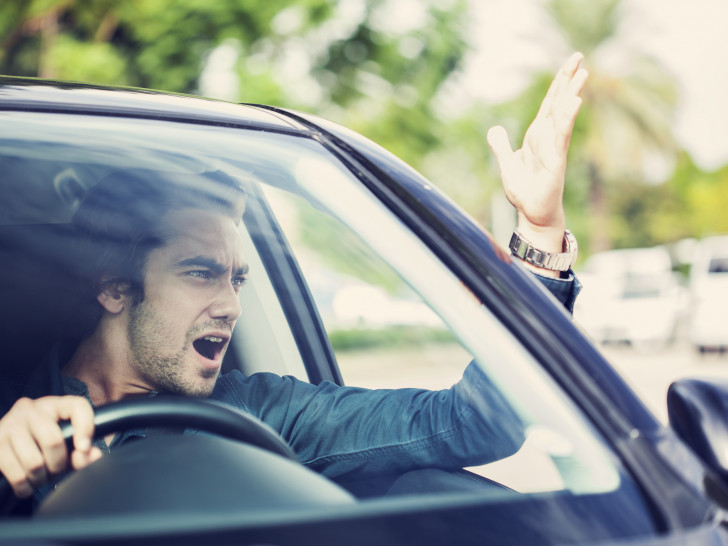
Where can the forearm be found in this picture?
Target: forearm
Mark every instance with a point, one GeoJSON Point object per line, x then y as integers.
{"type": "Point", "coordinates": [346, 431]}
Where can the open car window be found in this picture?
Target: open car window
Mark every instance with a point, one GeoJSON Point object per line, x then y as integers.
{"type": "Point", "coordinates": [339, 288]}
{"type": "Point", "coordinates": [397, 318]}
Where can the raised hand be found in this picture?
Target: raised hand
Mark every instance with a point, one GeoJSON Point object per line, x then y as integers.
{"type": "Point", "coordinates": [533, 176]}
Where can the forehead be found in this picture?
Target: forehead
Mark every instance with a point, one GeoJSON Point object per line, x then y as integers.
{"type": "Point", "coordinates": [193, 232]}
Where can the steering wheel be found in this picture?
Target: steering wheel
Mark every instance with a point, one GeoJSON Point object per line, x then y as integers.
{"type": "Point", "coordinates": [181, 412]}
{"type": "Point", "coordinates": [172, 412]}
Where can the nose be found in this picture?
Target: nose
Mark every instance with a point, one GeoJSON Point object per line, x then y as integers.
{"type": "Point", "coordinates": [226, 305]}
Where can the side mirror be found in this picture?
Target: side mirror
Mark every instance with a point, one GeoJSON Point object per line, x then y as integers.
{"type": "Point", "coordinates": [698, 413]}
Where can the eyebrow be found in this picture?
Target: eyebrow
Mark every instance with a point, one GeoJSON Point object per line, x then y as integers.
{"type": "Point", "coordinates": [211, 264]}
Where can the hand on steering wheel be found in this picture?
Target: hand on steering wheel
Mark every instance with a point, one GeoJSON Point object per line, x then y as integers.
{"type": "Point", "coordinates": [175, 412]}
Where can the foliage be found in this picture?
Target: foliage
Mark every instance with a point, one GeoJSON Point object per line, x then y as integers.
{"type": "Point", "coordinates": [704, 195]}
{"type": "Point", "coordinates": [163, 44]}
{"type": "Point", "coordinates": [391, 336]}
{"type": "Point", "coordinates": [391, 98]}
{"type": "Point", "coordinates": [355, 61]}
{"type": "Point", "coordinates": [378, 66]}
{"type": "Point", "coordinates": [159, 44]}
{"type": "Point", "coordinates": [626, 119]}
{"type": "Point", "coordinates": [586, 24]}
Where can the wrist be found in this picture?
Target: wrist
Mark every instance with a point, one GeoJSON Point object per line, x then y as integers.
{"type": "Point", "coordinates": [541, 260]}
{"type": "Point", "coordinates": [547, 238]}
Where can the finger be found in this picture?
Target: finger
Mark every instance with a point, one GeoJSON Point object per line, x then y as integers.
{"type": "Point", "coordinates": [28, 454]}
{"type": "Point", "coordinates": [560, 82]}
{"type": "Point", "coordinates": [48, 437]}
{"type": "Point", "coordinates": [577, 83]}
{"type": "Point", "coordinates": [498, 141]}
{"type": "Point", "coordinates": [571, 65]}
{"type": "Point", "coordinates": [15, 474]}
{"type": "Point", "coordinates": [79, 411]}
{"type": "Point", "coordinates": [81, 459]}
{"type": "Point", "coordinates": [565, 127]}
{"type": "Point", "coordinates": [82, 419]}
{"type": "Point", "coordinates": [573, 89]}
{"type": "Point", "coordinates": [95, 454]}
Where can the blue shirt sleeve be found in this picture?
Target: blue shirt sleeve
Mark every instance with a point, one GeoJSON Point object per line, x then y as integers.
{"type": "Point", "coordinates": [349, 431]}
{"type": "Point", "coordinates": [565, 290]}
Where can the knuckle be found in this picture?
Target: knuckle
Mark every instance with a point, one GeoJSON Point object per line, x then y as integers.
{"type": "Point", "coordinates": [34, 464]}
{"type": "Point", "coordinates": [21, 487]}
{"type": "Point", "coordinates": [39, 477]}
{"type": "Point", "coordinates": [23, 404]}
{"type": "Point", "coordinates": [19, 411]}
{"type": "Point", "coordinates": [79, 405]}
{"type": "Point", "coordinates": [56, 466]}
{"type": "Point", "coordinates": [15, 477]}
{"type": "Point", "coordinates": [16, 482]}
{"type": "Point", "coordinates": [53, 438]}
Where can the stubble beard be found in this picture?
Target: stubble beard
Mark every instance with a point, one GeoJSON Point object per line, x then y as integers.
{"type": "Point", "coordinates": [165, 372]}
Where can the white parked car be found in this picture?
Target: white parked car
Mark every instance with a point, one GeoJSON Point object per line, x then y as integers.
{"type": "Point", "coordinates": [631, 296]}
{"type": "Point", "coordinates": [709, 290]}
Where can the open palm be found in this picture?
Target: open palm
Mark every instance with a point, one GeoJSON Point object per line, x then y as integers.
{"type": "Point", "coordinates": [533, 176]}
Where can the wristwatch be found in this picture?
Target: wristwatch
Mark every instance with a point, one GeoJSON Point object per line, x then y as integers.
{"type": "Point", "coordinates": [562, 261]}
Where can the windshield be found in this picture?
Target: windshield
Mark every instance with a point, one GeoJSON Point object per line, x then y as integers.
{"type": "Point", "coordinates": [337, 289]}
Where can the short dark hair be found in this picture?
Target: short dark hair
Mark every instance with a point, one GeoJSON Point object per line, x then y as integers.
{"type": "Point", "coordinates": [120, 221]}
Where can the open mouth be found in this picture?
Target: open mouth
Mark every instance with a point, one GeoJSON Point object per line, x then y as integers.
{"type": "Point", "coordinates": [210, 347]}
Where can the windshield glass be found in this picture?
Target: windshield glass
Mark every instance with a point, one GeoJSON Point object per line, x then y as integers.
{"type": "Point", "coordinates": [337, 288]}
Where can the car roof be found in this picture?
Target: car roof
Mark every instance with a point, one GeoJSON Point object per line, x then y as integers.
{"type": "Point", "coordinates": [31, 94]}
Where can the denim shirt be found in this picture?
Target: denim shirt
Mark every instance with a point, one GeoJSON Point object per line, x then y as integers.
{"type": "Point", "coordinates": [345, 432]}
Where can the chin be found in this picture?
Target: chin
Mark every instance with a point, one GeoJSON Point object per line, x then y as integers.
{"type": "Point", "coordinates": [193, 388]}
{"type": "Point", "coordinates": [202, 389]}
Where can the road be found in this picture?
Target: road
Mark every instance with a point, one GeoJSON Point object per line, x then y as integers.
{"type": "Point", "coordinates": [650, 373]}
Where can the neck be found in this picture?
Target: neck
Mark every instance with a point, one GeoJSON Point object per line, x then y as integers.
{"type": "Point", "coordinates": [102, 362]}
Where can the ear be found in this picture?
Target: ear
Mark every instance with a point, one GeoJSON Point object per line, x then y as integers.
{"type": "Point", "coordinates": [114, 296]}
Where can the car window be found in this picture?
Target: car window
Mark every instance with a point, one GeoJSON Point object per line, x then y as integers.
{"type": "Point", "coordinates": [338, 285]}
{"type": "Point", "coordinates": [385, 334]}
{"type": "Point", "coordinates": [718, 265]}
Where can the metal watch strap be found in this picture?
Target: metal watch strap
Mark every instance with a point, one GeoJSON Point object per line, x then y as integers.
{"type": "Point", "coordinates": [563, 261]}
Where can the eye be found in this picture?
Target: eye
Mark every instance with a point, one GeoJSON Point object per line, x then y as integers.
{"type": "Point", "coordinates": [199, 273]}
{"type": "Point", "coordinates": [239, 282]}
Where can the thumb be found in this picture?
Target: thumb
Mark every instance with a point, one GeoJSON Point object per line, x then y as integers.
{"type": "Point", "coordinates": [498, 142]}
{"type": "Point", "coordinates": [81, 459]}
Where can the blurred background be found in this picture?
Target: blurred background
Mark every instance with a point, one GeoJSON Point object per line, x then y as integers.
{"type": "Point", "coordinates": [647, 183]}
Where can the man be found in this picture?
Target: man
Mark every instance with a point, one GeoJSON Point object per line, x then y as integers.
{"type": "Point", "coordinates": [166, 281]}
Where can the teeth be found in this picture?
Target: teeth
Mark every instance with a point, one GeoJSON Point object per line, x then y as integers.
{"type": "Point", "coordinates": [214, 339]}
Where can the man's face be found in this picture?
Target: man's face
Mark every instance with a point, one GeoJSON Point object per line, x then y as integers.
{"type": "Point", "coordinates": [179, 333]}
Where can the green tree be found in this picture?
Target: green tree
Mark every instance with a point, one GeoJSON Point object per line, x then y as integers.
{"type": "Point", "coordinates": [371, 69]}
{"type": "Point", "coordinates": [163, 44]}
{"type": "Point", "coordinates": [366, 69]}
{"type": "Point", "coordinates": [159, 44]}
{"type": "Point", "coordinates": [627, 117]}
{"type": "Point", "coordinates": [703, 196]}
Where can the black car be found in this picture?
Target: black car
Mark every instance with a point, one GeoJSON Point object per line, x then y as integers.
{"type": "Point", "coordinates": [361, 272]}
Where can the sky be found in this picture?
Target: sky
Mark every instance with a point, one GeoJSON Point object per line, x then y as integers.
{"type": "Point", "coordinates": [512, 38]}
